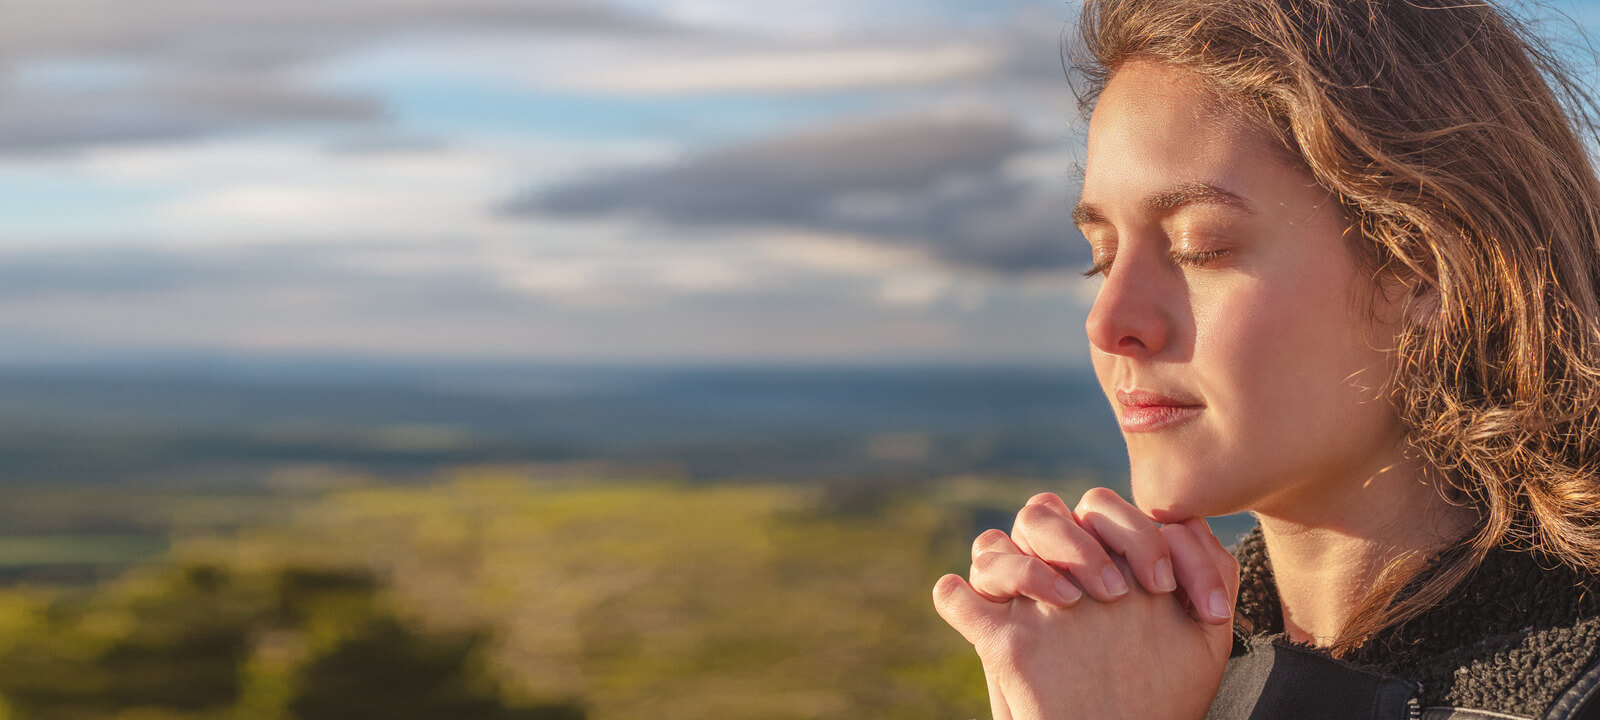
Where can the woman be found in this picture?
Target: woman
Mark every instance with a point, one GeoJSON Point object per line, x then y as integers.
{"type": "Point", "coordinates": [1349, 254]}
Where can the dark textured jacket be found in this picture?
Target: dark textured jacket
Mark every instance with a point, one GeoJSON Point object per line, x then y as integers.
{"type": "Point", "coordinates": [1520, 638]}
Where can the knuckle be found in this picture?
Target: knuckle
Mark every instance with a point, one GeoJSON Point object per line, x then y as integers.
{"type": "Point", "coordinates": [986, 539]}
{"type": "Point", "coordinates": [1036, 516]}
{"type": "Point", "coordinates": [1098, 502]}
{"type": "Point", "coordinates": [1103, 500]}
{"type": "Point", "coordinates": [942, 606]}
{"type": "Point", "coordinates": [1045, 497]}
{"type": "Point", "coordinates": [1100, 497]}
{"type": "Point", "coordinates": [955, 611]}
{"type": "Point", "coordinates": [943, 591]}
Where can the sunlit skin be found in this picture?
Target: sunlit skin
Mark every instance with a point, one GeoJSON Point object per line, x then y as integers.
{"type": "Point", "coordinates": [1244, 350]}
{"type": "Point", "coordinates": [1230, 283]}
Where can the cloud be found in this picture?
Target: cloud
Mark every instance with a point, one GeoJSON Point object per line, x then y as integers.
{"type": "Point", "coordinates": [1017, 57]}
{"type": "Point", "coordinates": [243, 190]}
{"type": "Point", "coordinates": [694, 302]}
{"type": "Point", "coordinates": [942, 181]}
{"type": "Point", "coordinates": [171, 108]}
{"type": "Point", "coordinates": [793, 70]}
{"type": "Point", "coordinates": [235, 33]}
{"type": "Point", "coordinates": [850, 239]}
{"type": "Point", "coordinates": [796, 174]}
{"type": "Point", "coordinates": [176, 69]}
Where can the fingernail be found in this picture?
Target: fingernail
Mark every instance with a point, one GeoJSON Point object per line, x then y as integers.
{"type": "Point", "coordinates": [1219, 604]}
{"type": "Point", "coordinates": [1069, 593]}
{"type": "Point", "coordinates": [1164, 580]}
{"type": "Point", "coordinates": [1114, 582]}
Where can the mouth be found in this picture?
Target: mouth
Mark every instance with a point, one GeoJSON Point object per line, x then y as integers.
{"type": "Point", "coordinates": [1148, 411]}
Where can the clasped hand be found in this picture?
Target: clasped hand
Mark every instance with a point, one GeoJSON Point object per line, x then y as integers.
{"type": "Point", "coordinates": [1150, 641]}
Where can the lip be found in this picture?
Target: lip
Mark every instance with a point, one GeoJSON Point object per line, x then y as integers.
{"type": "Point", "coordinates": [1149, 411]}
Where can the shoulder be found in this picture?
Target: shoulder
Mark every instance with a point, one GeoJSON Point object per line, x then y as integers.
{"type": "Point", "coordinates": [1518, 639]}
{"type": "Point", "coordinates": [1513, 639]}
{"type": "Point", "coordinates": [1581, 701]}
{"type": "Point", "coordinates": [1271, 679]}
{"type": "Point", "coordinates": [1542, 673]}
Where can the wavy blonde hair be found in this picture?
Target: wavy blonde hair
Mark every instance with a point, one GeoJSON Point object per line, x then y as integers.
{"type": "Point", "coordinates": [1452, 135]}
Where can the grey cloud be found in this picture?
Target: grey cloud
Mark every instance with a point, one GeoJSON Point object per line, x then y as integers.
{"type": "Point", "coordinates": [929, 180]}
{"type": "Point", "coordinates": [177, 108]}
{"type": "Point", "coordinates": [244, 32]}
{"type": "Point", "coordinates": [201, 67]}
{"type": "Point", "coordinates": [69, 303]}
{"type": "Point", "coordinates": [218, 65]}
{"type": "Point", "coordinates": [797, 173]}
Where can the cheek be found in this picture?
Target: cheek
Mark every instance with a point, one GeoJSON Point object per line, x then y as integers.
{"type": "Point", "coordinates": [1288, 362]}
{"type": "Point", "coordinates": [1255, 337]}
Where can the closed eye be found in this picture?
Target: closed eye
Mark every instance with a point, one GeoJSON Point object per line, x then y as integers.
{"type": "Point", "coordinates": [1196, 259]}
{"type": "Point", "coordinates": [1181, 259]}
{"type": "Point", "coordinates": [1099, 267]}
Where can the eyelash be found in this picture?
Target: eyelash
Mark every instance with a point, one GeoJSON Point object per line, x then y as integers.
{"type": "Point", "coordinates": [1199, 259]}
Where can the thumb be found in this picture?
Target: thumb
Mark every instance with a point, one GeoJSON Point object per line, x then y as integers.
{"type": "Point", "coordinates": [965, 610]}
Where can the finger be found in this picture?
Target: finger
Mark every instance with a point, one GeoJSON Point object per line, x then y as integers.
{"type": "Point", "coordinates": [1227, 565]}
{"type": "Point", "coordinates": [993, 541]}
{"type": "Point", "coordinates": [1052, 500]}
{"type": "Point", "coordinates": [1047, 499]}
{"type": "Point", "coordinates": [1198, 575]}
{"type": "Point", "coordinates": [1056, 538]}
{"type": "Point", "coordinates": [1002, 576]}
{"type": "Point", "coordinates": [1125, 529]}
{"type": "Point", "coordinates": [965, 610]}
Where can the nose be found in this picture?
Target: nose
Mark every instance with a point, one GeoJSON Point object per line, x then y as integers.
{"type": "Point", "coordinates": [1130, 316]}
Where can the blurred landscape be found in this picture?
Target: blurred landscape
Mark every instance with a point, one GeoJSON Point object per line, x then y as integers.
{"type": "Point", "coordinates": [524, 359]}
{"type": "Point", "coordinates": [500, 594]}
{"type": "Point", "coordinates": [530, 359]}
{"type": "Point", "coordinates": [232, 538]}
{"type": "Point", "coordinates": [240, 424]}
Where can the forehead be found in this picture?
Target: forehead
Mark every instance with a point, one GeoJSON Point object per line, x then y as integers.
{"type": "Point", "coordinates": [1156, 126]}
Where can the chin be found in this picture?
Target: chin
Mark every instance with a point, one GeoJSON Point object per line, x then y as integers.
{"type": "Point", "coordinates": [1169, 497]}
{"type": "Point", "coordinates": [1165, 512]}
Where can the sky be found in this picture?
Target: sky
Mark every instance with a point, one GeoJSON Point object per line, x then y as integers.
{"type": "Point", "coordinates": [633, 181]}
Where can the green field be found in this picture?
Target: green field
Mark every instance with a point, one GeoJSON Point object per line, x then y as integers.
{"type": "Point", "coordinates": [496, 595]}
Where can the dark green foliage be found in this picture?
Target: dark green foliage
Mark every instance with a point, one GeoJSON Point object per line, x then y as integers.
{"type": "Point", "coordinates": [617, 600]}
{"type": "Point", "coordinates": [390, 671]}
{"type": "Point", "coordinates": [179, 651]}
{"type": "Point", "coordinates": [180, 645]}
{"type": "Point", "coordinates": [302, 592]}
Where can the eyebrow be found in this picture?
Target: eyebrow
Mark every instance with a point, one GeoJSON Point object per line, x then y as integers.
{"type": "Point", "coordinates": [1196, 193]}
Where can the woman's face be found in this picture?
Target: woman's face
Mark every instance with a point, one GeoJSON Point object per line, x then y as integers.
{"type": "Point", "coordinates": [1231, 329]}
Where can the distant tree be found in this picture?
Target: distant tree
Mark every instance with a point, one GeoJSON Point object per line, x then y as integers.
{"type": "Point", "coordinates": [178, 649]}
{"type": "Point", "coordinates": [178, 645]}
{"type": "Point", "coordinates": [390, 671]}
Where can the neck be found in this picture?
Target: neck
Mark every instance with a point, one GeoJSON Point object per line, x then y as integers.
{"type": "Point", "coordinates": [1328, 551]}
